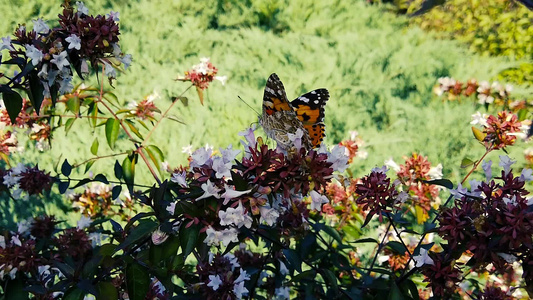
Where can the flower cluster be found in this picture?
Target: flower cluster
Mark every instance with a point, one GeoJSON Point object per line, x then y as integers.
{"type": "Point", "coordinates": [484, 92]}
{"type": "Point", "coordinates": [145, 109]}
{"type": "Point", "coordinates": [31, 181]}
{"type": "Point", "coordinates": [493, 222]}
{"type": "Point", "coordinates": [353, 146]}
{"type": "Point", "coordinates": [222, 277]}
{"type": "Point", "coordinates": [97, 201]}
{"type": "Point", "coordinates": [202, 74]}
{"type": "Point", "coordinates": [500, 130]}
{"type": "Point", "coordinates": [413, 174]}
{"type": "Point", "coordinates": [37, 127]}
{"type": "Point", "coordinates": [52, 51]}
{"type": "Point", "coordinates": [265, 187]}
{"type": "Point", "coordinates": [30, 252]}
{"type": "Point", "coordinates": [377, 194]}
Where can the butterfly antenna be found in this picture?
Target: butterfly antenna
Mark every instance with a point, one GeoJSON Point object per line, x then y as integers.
{"type": "Point", "coordinates": [248, 105]}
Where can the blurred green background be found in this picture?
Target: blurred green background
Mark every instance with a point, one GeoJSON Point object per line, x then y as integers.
{"type": "Point", "coordinates": [379, 66]}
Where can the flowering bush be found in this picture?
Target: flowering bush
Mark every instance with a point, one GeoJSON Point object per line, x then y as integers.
{"type": "Point", "coordinates": [251, 221]}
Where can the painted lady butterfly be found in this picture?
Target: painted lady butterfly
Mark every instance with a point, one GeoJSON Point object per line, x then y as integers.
{"type": "Point", "coordinates": [281, 117]}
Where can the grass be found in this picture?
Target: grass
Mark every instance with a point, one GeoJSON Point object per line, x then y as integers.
{"type": "Point", "coordinates": [379, 71]}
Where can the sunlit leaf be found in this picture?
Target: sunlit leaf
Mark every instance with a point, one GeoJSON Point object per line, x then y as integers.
{"type": "Point", "coordinates": [112, 128]}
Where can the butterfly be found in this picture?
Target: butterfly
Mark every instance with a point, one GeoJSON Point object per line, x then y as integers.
{"type": "Point", "coordinates": [281, 117]}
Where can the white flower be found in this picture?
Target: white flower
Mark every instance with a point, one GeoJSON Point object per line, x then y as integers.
{"type": "Point", "coordinates": [180, 178]}
{"type": "Point", "coordinates": [16, 241]}
{"type": "Point", "coordinates": [338, 158]}
{"type": "Point", "coordinates": [235, 216]}
{"type": "Point", "coordinates": [110, 71]}
{"type": "Point", "coordinates": [230, 193]}
{"type": "Point", "coordinates": [97, 238]}
{"type": "Point", "coordinates": [43, 74]}
{"type": "Point", "coordinates": [487, 168]}
{"type": "Point", "coordinates": [222, 79]}
{"type": "Point", "coordinates": [402, 197]}
{"type": "Point", "coordinates": [249, 136]}
{"type": "Point", "coordinates": [283, 269]}
{"type": "Point", "coordinates": [6, 44]}
{"type": "Point", "coordinates": [526, 175]}
{"type": "Point", "coordinates": [210, 189]}
{"type": "Point", "coordinates": [282, 293]}
{"type": "Point", "coordinates": [423, 258]}
{"type": "Point", "coordinates": [201, 157]}
{"type": "Point", "coordinates": [480, 119]}
{"type": "Point", "coordinates": [435, 172]}
{"type": "Point", "coordinates": [74, 42]}
{"type": "Point", "coordinates": [239, 290]}
{"type": "Point", "coordinates": [268, 215]}
{"type": "Point", "coordinates": [228, 154]}
{"type": "Point", "coordinates": [214, 282]}
{"type": "Point", "coordinates": [126, 60]}
{"type": "Point", "coordinates": [382, 170]}
{"type": "Point", "coordinates": [82, 9]}
{"type": "Point", "coordinates": [459, 192]}
{"type": "Point", "coordinates": [474, 185]}
{"type": "Point", "coordinates": [40, 26]}
{"type": "Point", "coordinates": [115, 16]}
{"type": "Point", "coordinates": [483, 98]}
{"type": "Point", "coordinates": [13, 272]}
{"type": "Point", "coordinates": [34, 54]}
{"type": "Point", "coordinates": [242, 277]}
{"type": "Point", "coordinates": [296, 138]}
{"type": "Point", "coordinates": [44, 270]}
{"type": "Point", "coordinates": [233, 261]}
{"type": "Point", "coordinates": [187, 149]}
{"type": "Point", "coordinates": [171, 208]}
{"type": "Point", "coordinates": [508, 257]}
{"type": "Point", "coordinates": [84, 222]}
{"type": "Point", "coordinates": [392, 165]}
{"type": "Point", "coordinates": [511, 200]}
{"type": "Point", "coordinates": [60, 60]}
{"type": "Point", "coordinates": [505, 163]}
{"type": "Point", "coordinates": [225, 236]}
{"type": "Point", "coordinates": [222, 169]}
{"type": "Point", "coordinates": [2, 242]}
{"type": "Point", "coordinates": [66, 86]}
{"type": "Point", "coordinates": [317, 200]}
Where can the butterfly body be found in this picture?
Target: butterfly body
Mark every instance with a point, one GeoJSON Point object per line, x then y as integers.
{"type": "Point", "coordinates": [281, 117]}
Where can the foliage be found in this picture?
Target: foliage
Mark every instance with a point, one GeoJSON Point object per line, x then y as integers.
{"type": "Point", "coordinates": [267, 223]}
{"type": "Point", "coordinates": [494, 27]}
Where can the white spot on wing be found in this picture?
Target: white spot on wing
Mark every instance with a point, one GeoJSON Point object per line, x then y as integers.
{"type": "Point", "coordinates": [304, 99]}
{"type": "Point", "coordinates": [316, 101]}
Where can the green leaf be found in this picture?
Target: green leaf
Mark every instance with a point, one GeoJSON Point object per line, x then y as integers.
{"type": "Point", "coordinates": [137, 281]}
{"type": "Point", "coordinates": [68, 124]}
{"type": "Point", "coordinates": [73, 104]}
{"type": "Point", "coordinates": [13, 103]}
{"type": "Point", "coordinates": [74, 294]}
{"type": "Point", "coordinates": [112, 127]}
{"type": "Point", "coordinates": [144, 229]}
{"type": "Point", "coordinates": [293, 259]}
{"type": "Point", "coordinates": [466, 162]}
{"type": "Point", "coordinates": [128, 170]}
{"type": "Point", "coordinates": [134, 129]}
{"type": "Point", "coordinates": [15, 290]}
{"type": "Point", "coordinates": [156, 156]}
{"type": "Point", "coordinates": [442, 182]}
{"type": "Point", "coordinates": [63, 186]}
{"type": "Point", "coordinates": [118, 170]}
{"type": "Point", "coordinates": [106, 291]}
{"type": "Point", "coordinates": [395, 292]}
{"type": "Point", "coordinates": [88, 165]}
{"type": "Point", "coordinates": [115, 192]}
{"type": "Point", "coordinates": [397, 247]}
{"type": "Point", "coordinates": [66, 168]}
{"type": "Point", "coordinates": [330, 278]}
{"type": "Point", "coordinates": [35, 93]}
{"type": "Point", "coordinates": [188, 238]}
{"type": "Point", "coordinates": [478, 134]}
{"type": "Point", "coordinates": [94, 147]}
